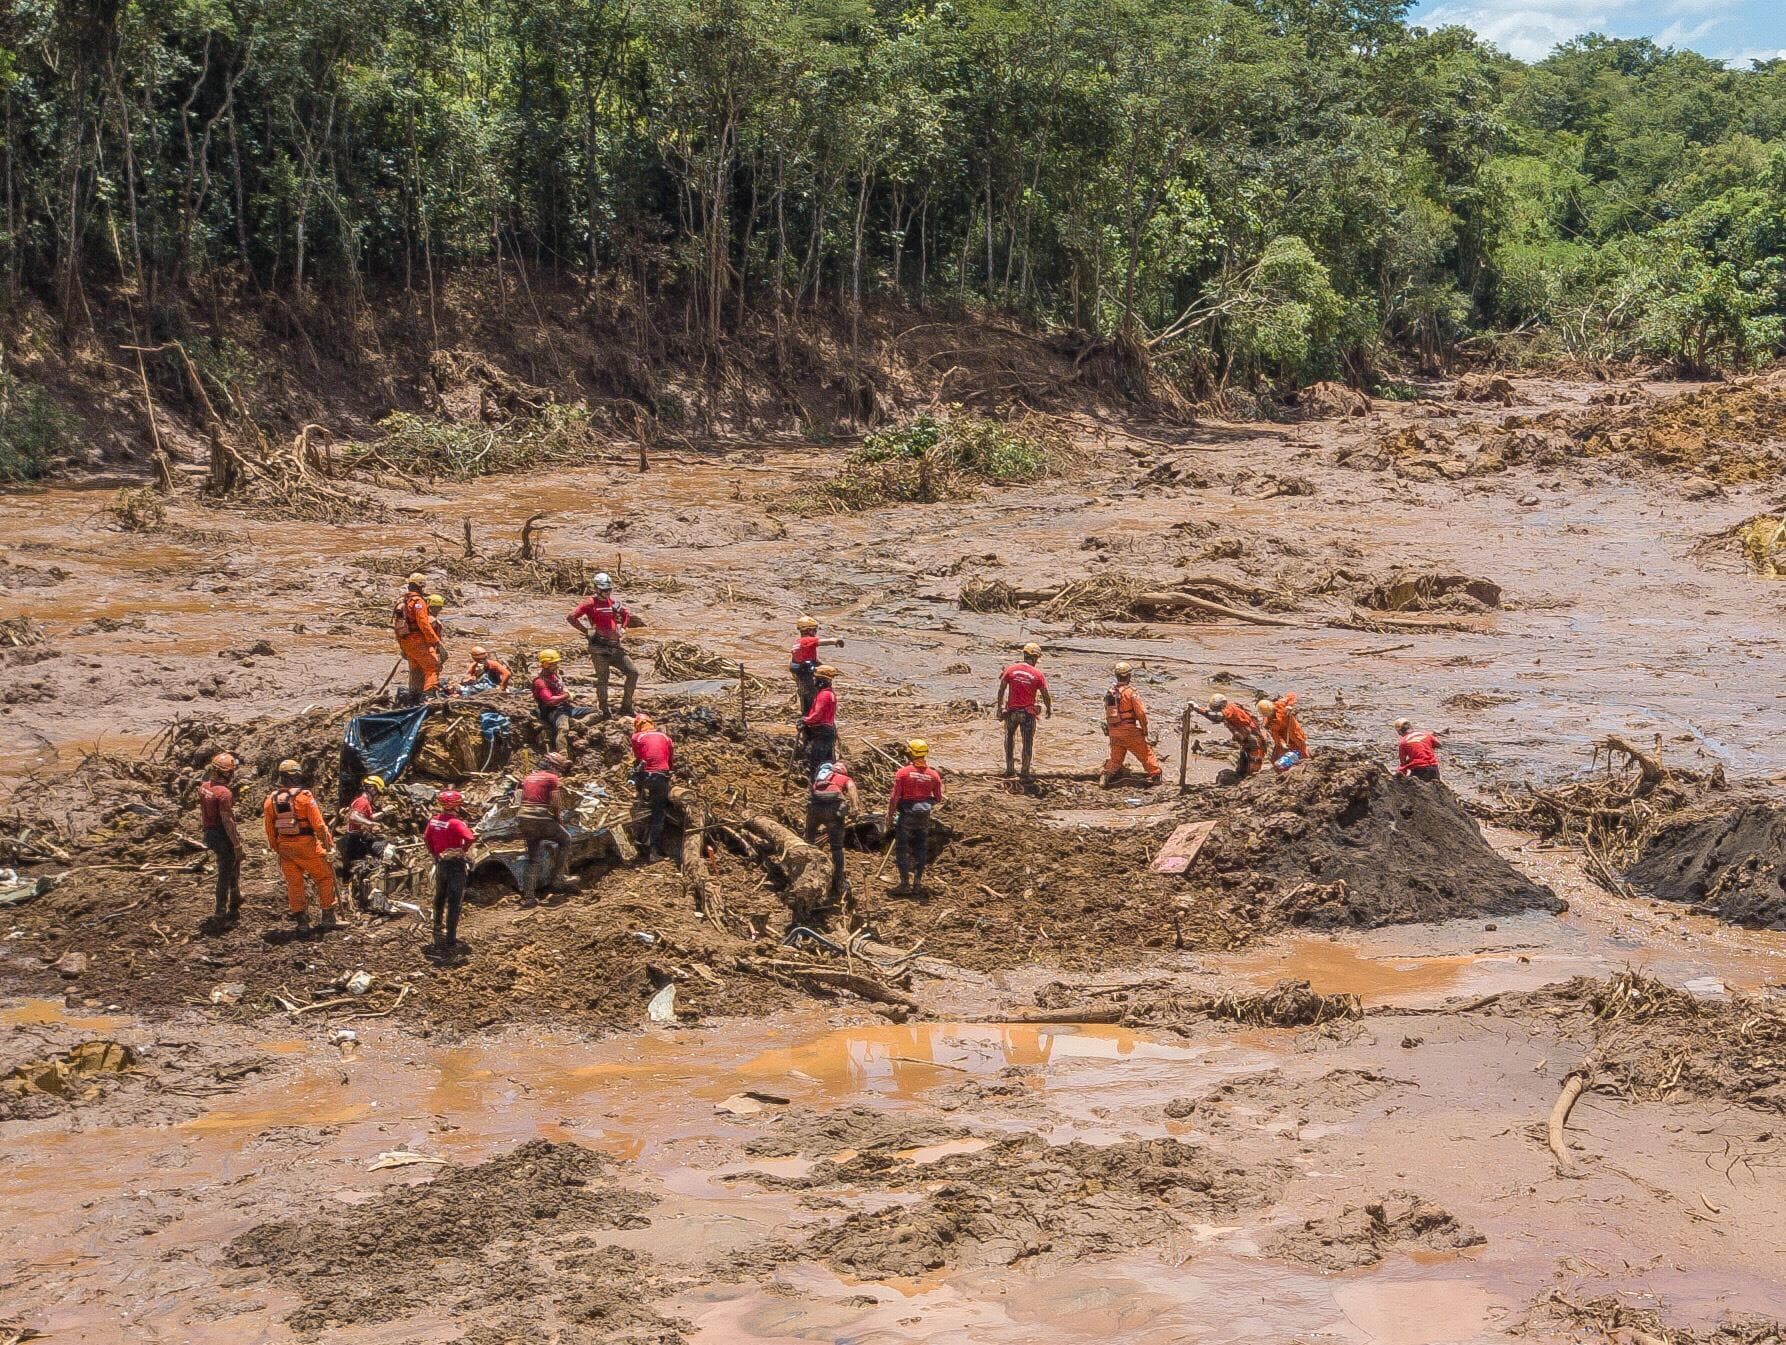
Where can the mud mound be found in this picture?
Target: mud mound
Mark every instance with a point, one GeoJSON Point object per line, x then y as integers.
{"type": "Point", "coordinates": [1341, 841]}
{"type": "Point", "coordinates": [853, 1127]}
{"type": "Point", "coordinates": [1433, 593]}
{"type": "Point", "coordinates": [1729, 432]}
{"type": "Point", "coordinates": [1612, 1318]}
{"type": "Point", "coordinates": [37, 1087]}
{"type": "Point", "coordinates": [1328, 400]}
{"type": "Point", "coordinates": [1362, 1236]}
{"type": "Point", "coordinates": [1287, 1004]}
{"type": "Point", "coordinates": [1727, 860]}
{"type": "Point", "coordinates": [1271, 1101]}
{"type": "Point", "coordinates": [1022, 1198]}
{"type": "Point", "coordinates": [1495, 388]}
{"type": "Point", "coordinates": [474, 1242]}
{"type": "Point", "coordinates": [1652, 1042]}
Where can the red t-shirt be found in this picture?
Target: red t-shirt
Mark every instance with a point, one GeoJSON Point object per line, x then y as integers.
{"type": "Point", "coordinates": [654, 751]}
{"type": "Point", "coordinates": [606, 617]}
{"type": "Point", "coordinates": [445, 832]}
{"type": "Point", "coordinates": [549, 690]}
{"type": "Point", "coordinates": [1419, 750]}
{"type": "Point", "coordinates": [215, 804]}
{"type": "Point", "coordinates": [917, 783]}
{"type": "Point", "coordinates": [839, 783]}
{"type": "Point", "coordinates": [537, 788]}
{"type": "Point", "coordinates": [362, 805]}
{"type": "Point", "coordinates": [1023, 681]}
{"type": "Point", "coordinates": [824, 710]}
{"type": "Point", "coordinates": [806, 650]}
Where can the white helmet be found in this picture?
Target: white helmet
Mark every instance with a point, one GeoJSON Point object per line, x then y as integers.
{"type": "Point", "coordinates": [602, 580]}
{"type": "Point", "coordinates": [825, 772]}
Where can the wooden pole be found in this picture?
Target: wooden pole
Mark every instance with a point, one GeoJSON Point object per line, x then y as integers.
{"type": "Point", "coordinates": [743, 707]}
{"type": "Point", "coordinates": [1184, 746]}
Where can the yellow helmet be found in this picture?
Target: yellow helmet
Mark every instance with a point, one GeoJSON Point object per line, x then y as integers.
{"type": "Point", "coordinates": [435, 600]}
{"type": "Point", "coordinates": [825, 670]}
{"type": "Point", "coordinates": [1266, 708]}
{"type": "Point", "coordinates": [806, 623]}
{"type": "Point", "coordinates": [290, 767]}
{"type": "Point", "coordinates": [417, 580]}
{"type": "Point", "coordinates": [1123, 670]}
{"type": "Point", "coordinates": [1032, 651]}
{"type": "Point", "coordinates": [918, 747]}
{"type": "Point", "coordinates": [375, 783]}
{"type": "Point", "coordinates": [547, 657]}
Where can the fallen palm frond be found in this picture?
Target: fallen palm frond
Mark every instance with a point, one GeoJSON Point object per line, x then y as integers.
{"type": "Point", "coordinates": [679, 661]}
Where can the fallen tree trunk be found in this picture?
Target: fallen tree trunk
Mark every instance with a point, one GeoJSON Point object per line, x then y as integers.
{"type": "Point", "coordinates": [806, 868]}
{"type": "Point", "coordinates": [1083, 1013]}
{"type": "Point", "coordinates": [1559, 1121]}
{"type": "Point", "coordinates": [829, 978]}
{"type": "Point", "coordinates": [1175, 601]}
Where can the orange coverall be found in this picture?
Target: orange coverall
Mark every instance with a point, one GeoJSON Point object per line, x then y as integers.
{"type": "Point", "coordinates": [1286, 731]}
{"type": "Point", "coordinates": [1248, 737]}
{"type": "Point", "coordinates": [297, 833]}
{"type": "Point", "coordinates": [418, 636]}
{"type": "Point", "coordinates": [1126, 719]}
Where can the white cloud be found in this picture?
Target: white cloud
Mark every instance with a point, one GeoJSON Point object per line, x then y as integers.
{"type": "Point", "coordinates": [1529, 29]}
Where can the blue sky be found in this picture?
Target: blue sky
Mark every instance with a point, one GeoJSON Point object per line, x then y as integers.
{"type": "Point", "coordinates": [1732, 30]}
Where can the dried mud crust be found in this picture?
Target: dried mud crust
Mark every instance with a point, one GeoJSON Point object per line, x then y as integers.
{"type": "Point", "coordinates": [1363, 1235]}
{"type": "Point", "coordinates": [1023, 1198]}
{"type": "Point", "coordinates": [1272, 1101]}
{"type": "Point", "coordinates": [1727, 859]}
{"type": "Point", "coordinates": [852, 1127]}
{"type": "Point", "coordinates": [1340, 841]}
{"type": "Point", "coordinates": [53, 1071]}
{"type": "Point", "coordinates": [1649, 1041]}
{"type": "Point", "coordinates": [510, 1243]}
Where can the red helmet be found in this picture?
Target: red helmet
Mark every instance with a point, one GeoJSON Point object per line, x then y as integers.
{"type": "Point", "coordinates": [449, 798]}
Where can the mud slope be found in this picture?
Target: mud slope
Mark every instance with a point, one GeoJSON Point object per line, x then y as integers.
{"type": "Point", "coordinates": [1728, 860]}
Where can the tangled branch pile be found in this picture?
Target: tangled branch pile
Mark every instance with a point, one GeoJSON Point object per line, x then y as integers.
{"type": "Point", "coordinates": [410, 446]}
{"type": "Point", "coordinates": [1286, 1004]}
{"type": "Point", "coordinates": [20, 632]}
{"type": "Point", "coordinates": [942, 458]}
{"type": "Point", "coordinates": [1611, 1318]}
{"type": "Point", "coordinates": [680, 661]}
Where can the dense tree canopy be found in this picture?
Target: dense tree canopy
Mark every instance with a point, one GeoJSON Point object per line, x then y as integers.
{"type": "Point", "coordinates": [1281, 188]}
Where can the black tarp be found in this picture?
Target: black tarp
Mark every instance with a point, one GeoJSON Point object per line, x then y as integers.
{"type": "Point", "coordinates": [380, 744]}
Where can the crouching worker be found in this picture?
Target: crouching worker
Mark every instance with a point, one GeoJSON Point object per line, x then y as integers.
{"type": "Point", "coordinates": [654, 757]}
{"type": "Point", "coordinates": [217, 815]}
{"type": "Point", "coordinates": [830, 804]}
{"type": "Point", "coordinates": [297, 834]}
{"type": "Point", "coordinates": [917, 789]}
{"type": "Point", "coordinates": [449, 838]}
{"type": "Point", "coordinates": [540, 821]}
{"type": "Point", "coordinates": [359, 836]}
{"type": "Point", "coordinates": [552, 701]}
{"type": "Point", "coordinates": [486, 673]}
{"type": "Point", "coordinates": [1248, 736]}
{"type": "Point", "coordinates": [1417, 751]}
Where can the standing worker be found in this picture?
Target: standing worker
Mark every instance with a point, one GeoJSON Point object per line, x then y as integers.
{"type": "Point", "coordinates": [418, 637]}
{"type": "Point", "coordinates": [804, 661]}
{"type": "Point", "coordinates": [917, 789]}
{"type": "Point", "coordinates": [297, 834]}
{"type": "Point", "coordinates": [604, 619]}
{"type": "Point", "coordinates": [1418, 750]}
{"type": "Point", "coordinates": [830, 804]}
{"type": "Point", "coordinates": [486, 673]}
{"type": "Point", "coordinates": [541, 824]}
{"type": "Point", "coordinates": [449, 839]}
{"type": "Point", "coordinates": [552, 702]}
{"type": "Point", "coordinates": [1125, 722]}
{"type": "Point", "coordinates": [1018, 687]}
{"type": "Point", "coordinates": [1249, 737]}
{"type": "Point", "coordinates": [654, 757]}
{"type": "Point", "coordinates": [818, 726]}
{"type": "Point", "coordinates": [217, 815]}
{"type": "Point", "coordinates": [1287, 738]}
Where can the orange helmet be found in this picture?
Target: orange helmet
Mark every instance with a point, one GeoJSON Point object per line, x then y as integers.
{"type": "Point", "coordinates": [223, 763]}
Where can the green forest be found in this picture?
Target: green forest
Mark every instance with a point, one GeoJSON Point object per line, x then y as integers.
{"type": "Point", "coordinates": [1257, 189]}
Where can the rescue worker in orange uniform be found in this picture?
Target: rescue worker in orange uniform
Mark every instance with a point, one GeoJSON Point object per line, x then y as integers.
{"type": "Point", "coordinates": [1279, 718]}
{"type": "Point", "coordinates": [486, 673]}
{"type": "Point", "coordinates": [418, 637]}
{"type": "Point", "coordinates": [1125, 722]}
{"type": "Point", "coordinates": [298, 835]}
{"type": "Point", "coordinates": [1249, 737]}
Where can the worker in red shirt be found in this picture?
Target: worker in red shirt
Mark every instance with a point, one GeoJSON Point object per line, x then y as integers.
{"type": "Point", "coordinates": [551, 701]}
{"type": "Point", "coordinates": [1125, 723]}
{"type": "Point", "coordinates": [654, 759]}
{"type": "Point", "coordinates": [917, 789]}
{"type": "Point", "coordinates": [604, 619]}
{"type": "Point", "coordinates": [1248, 735]}
{"type": "Point", "coordinates": [1287, 738]}
{"type": "Point", "coordinates": [1018, 687]}
{"type": "Point", "coordinates": [540, 823]}
{"type": "Point", "coordinates": [1418, 750]}
{"type": "Point", "coordinates": [449, 839]}
{"type": "Point", "coordinates": [804, 661]}
{"type": "Point", "coordinates": [830, 804]}
{"type": "Point", "coordinates": [217, 816]}
{"type": "Point", "coordinates": [297, 834]}
{"type": "Point", "coordinates": [486, 673]}
{"type": "Point", "coordinates": [818, 726]}
{"type": "Point", "coordinates": [419, 637]}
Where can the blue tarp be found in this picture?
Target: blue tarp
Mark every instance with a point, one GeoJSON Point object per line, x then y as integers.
{"type": "Point", "coordinates": [383, 743]}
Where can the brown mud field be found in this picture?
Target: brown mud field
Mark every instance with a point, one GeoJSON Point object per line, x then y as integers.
{"type": "Point", "coordinates": [1389, 1062]}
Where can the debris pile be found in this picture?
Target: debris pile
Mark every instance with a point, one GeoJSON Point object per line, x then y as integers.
{"type": "Point", "coordinates": [1724, 858]}
{"type": "Point", "coordinates": [1341, 841]}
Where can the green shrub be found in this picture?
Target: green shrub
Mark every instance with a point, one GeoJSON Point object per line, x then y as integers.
{"type": "Point", "coordinates": [932, 458]}
{"type": "Point", "coordinates": [33, 429]}
{"type": "Point", "coordinates": [425, 446]}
